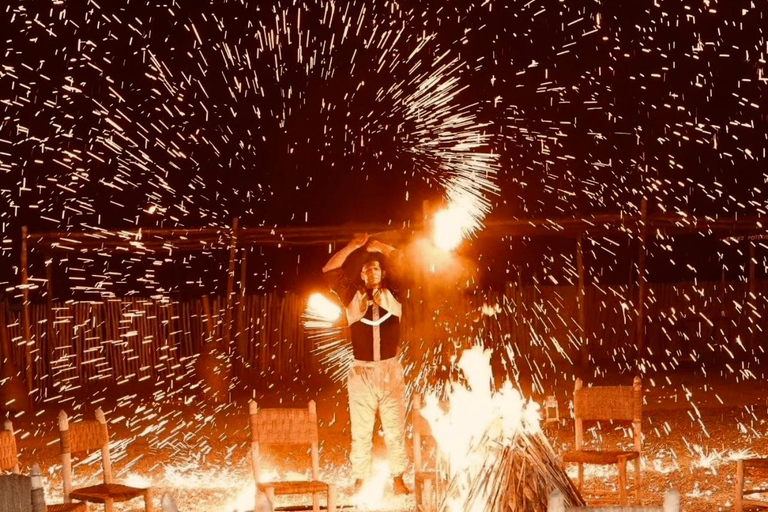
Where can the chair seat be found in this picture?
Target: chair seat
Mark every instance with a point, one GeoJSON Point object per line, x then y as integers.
{"type": "Point", "coordinates": [100, 493]}
{"type": "Point", "coordinates": [294, 487]}
{"type": "Point", "coordinates": [75, 506]}
{"type": "Point", "coordinates": [758, 463]}
{"type": "Point", "coordinates": [599, 457]}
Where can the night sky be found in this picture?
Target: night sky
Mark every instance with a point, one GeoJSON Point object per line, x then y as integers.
{"type": "Point", "coordinates": [131, 114]}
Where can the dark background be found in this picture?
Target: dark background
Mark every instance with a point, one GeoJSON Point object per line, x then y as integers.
{"type": "Point", "coordinates": [126, 114]}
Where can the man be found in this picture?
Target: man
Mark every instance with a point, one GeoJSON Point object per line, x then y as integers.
{"type": "Point", "coordinates": [376, 378]}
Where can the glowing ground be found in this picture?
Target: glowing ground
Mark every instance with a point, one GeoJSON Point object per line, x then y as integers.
{"type": "Point", "coordinates": [692, 426]}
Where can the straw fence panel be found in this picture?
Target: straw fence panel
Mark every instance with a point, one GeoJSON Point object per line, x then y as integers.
{"type": "Point", "coordinates": [76, 344]}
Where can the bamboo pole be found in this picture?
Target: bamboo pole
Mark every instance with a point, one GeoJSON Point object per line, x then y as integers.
{"type": "Point", "coordinates": [641, 284]}
{"type": "Point", "coordinates": [580, 296]}
{"type": "Point", "coordinates": [25, 309]}
{"type": "Point", "coordinates": [263, 313]}
{"type": "Point", "coordinates": [66, 458]}
{"type": "Point", "coordinates": [227, 328]}
{"type": "Point", "coordinates": [50, 331]}
{"type": "Point", "coordinates": [241, 339]}
{"type": "Point", "coordinates": [13, 391]}
{"type": "Point", "coordinates": [207, 319]}
{"type": "Point", "coordinates": [752, 263]}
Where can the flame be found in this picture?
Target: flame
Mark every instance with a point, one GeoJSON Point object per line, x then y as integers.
{"type": "Point", "coordinates": [321, 309]}
{"type": "Point", "coordinates": [477, 415]}
{"type": "Point", "coordinates": [461, 218]}
{"type": "Point", "coordinates": [138, 481]}
{"type": "Point", "coordinates": [467, 207]}
{"type": "Point", "coordinates": [371, 496]}
{"type": "Point", "coordinates": [240, 490]}
{"type": "Point", "coordinates": [450, 226]}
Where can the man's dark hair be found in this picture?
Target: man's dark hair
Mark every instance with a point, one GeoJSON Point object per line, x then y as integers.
{"type": "Point", "coordinates": [373, 256]}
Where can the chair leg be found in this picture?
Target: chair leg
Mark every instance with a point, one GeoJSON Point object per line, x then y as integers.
{"type": "Point", "coordinates": [580, 481]}
{"type": "Point", "coordinates": [428, 496]}
{"type": "Point", "coordinates": [623, 482]}
{"type": "Point", "coordinates": [315, 502]}
{"type": "Point", "coordinates": [148, 500]}
{"type": "Point", "coordinates": [109, 505]}
{"type": "Point", "coordinates": [638, 481]}
{"type": "Point", "coordinates": [331, 498]}
{"type": "Point", "coordinates": [738, 499]}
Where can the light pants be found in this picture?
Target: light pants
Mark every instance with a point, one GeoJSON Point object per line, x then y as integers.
{"type": "Point", "coordinates": [373, 386]}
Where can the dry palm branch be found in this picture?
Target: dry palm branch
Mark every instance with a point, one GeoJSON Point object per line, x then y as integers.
{"type": "Point", "coordinates": [514, 474]}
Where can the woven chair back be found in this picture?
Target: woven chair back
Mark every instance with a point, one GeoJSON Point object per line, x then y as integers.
{"type": "Point", "coordinates": [284, 426]}
{"type": "Point", "coordinates": [9, 458]}
{"type": "Point", "coordinates": [84, 436]}
{"type": "Point", "coordinates": [608, 403]}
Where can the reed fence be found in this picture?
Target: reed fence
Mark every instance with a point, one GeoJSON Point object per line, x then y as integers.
{"type": "Point", "coordinates": [74, 344]}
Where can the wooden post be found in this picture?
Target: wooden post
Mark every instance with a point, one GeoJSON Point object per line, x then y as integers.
{"type": "Point", "coordinates": [241, 339]}
{"type": "Point", "coordinates": [315, 455]}
{"type": "Point", "coordinates": [752, 262]}
{"type": "Point", "coordinates": [253, 410]}
{"type": "Point", "coordinates": [214, 373]}
{"type": "Point", "coordinates": [207, 319]}
{"type": "Point", "coordinates": [66, 457]}
{"type": "Point", "coordinates": [738, 502]}
{"type": "Point", "coordinates": [25, 310]}
{"type": "Point", "coordinates": [230, 286]}
{"type": "Point", "coordinates": [38, 494]}
{"type": "Point", "coordinates": [641, 284]}
{"type": "Point", "coordinates": [580, 303]}
{"type": "Point", "coordinates": [579, 442]}
{"type": "Point", "coordinates": [106, 461]}
{"type": "Point", "coordinates": [49, 330]}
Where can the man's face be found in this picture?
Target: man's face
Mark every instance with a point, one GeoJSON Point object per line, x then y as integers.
{"type": "Point", "coordinates": [372, 274]}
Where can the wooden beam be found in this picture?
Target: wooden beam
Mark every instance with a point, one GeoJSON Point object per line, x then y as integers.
{"type": "Point", "coordinates": [207, 238]}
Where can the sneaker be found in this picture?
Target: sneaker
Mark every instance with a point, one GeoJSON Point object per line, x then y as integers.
{"type": "Point", "coordinates": [399, 486]}
{"type": "Point", "coordinates": [358, 485]}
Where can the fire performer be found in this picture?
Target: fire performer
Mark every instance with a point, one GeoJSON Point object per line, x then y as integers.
{"type": "Point", "coordinates": [375, 381]}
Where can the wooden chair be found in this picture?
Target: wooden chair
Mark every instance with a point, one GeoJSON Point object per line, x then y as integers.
{"type": "Point", "coordinates": [288, 427]}
{"type": "Point", "coordinates": [614, 403]}
{"type": "Point", "coordinates": [742, 469]}
{"type": "Point", "coordinates": [671, 504]}
{"type": "Point", "coordinates": [427, 478]}
{"type": "Point", "coordinates": [9, 457]}
{"type": "Point", "coordinates": [9, 461]}
{"type": "Point", "coordinates": [21, 493]}
{"type": "Point", "coordinates": [89, 436]}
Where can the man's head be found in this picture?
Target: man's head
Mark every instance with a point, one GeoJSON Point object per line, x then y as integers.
{"type": "Point", "coordinates": [372, 272]}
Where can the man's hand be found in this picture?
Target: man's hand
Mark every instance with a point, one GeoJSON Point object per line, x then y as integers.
{"type": "Point", "coordinates": [376, 246]}
{"type": "Point", "coordinates": [338, 259]}
{"type": "Point", "coordinates": [359, 240]}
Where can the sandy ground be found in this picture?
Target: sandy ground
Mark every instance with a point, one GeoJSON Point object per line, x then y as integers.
{"type": "Point", "coordinates": [693, 426]}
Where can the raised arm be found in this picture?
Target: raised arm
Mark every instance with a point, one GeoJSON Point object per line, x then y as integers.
{"type": "Point", "coordinates": [338, 259]}
{"type": "Point", "coordinates": [376, 246]}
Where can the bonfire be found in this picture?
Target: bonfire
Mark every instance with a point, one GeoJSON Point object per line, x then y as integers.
{"type": "Point", "coordinates": [497, 457]}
